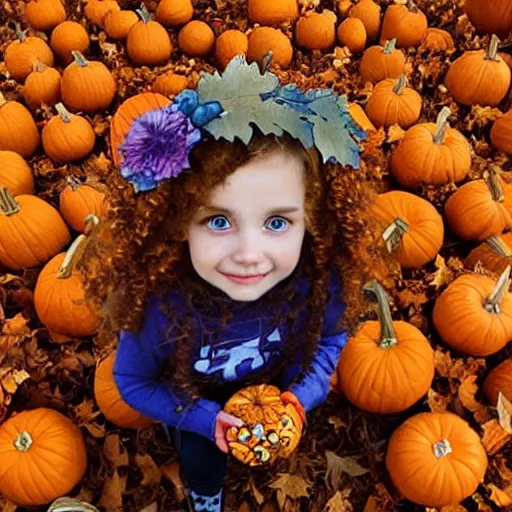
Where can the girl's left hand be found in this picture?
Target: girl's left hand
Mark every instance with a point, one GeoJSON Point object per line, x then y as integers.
{"type": "Point", "coordinates": [289, 398]}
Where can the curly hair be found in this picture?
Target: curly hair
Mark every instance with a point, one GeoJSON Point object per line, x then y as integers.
{"type": "Point", "coordinates": [140, 251]}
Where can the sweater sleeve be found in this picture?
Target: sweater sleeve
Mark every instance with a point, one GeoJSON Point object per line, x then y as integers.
{"type": "Point", "coordinates": [140, 361]}
{"type": "Point", "coordinates": [313, 388]}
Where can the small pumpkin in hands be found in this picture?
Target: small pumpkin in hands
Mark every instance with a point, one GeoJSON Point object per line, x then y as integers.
{"type": "Point", "coordinates": [387, 366]}
{"type": "Point", "coordinates": [267, 12]}
{"type": "Point", "coordinates": [406, 23]}
{"type": "Point", "coordinates": [265, 39]}
{"type": "Point", "coordinates": [40, 442]}
{"type": "Point", "coordinates": [196, 39]}
{"type": "Point", "coordinates": [501, 133]}
{"type": "Point", "coordinates": [44, 14]}
{"type": "Point", "coordinates": [66, 37]}
{"type": "Point", "coordinates": [15, 174]}
{"type": "Point", "coordinates": [381, 62]}
{"type": "Point", "coordinates": [436, 459]}
{"type": "Point", "coordinates": [499, 381]}
{"type": "Point", "coordinates": [42, 86]}
{"type": "Point", "coordinates": [273, 429]}
{"type": "Point", "coordinates": [471, 305]}
{"type": "Point", "coordinates": [494, 254]}
{"type": "Point", "coordinates": [230, 44]}
{"type": "Point", "coordinates": [316, 31]}
{"type": "Point", "coordinates": [369, 13]}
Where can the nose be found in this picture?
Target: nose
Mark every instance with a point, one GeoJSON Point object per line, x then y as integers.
{"type": "Point", "coordinates": [249, 248]}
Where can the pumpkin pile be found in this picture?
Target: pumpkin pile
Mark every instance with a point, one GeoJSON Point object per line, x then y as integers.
{"type": "Point", "coordinates": [419, 417]}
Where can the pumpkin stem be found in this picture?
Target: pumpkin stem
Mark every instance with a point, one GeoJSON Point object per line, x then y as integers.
{"type": "Point", "coordinates": [91, 221]}
{"type": "Point", "coordinates": [442, 448]}
{"type": "Point", "coordinates": [390, 46]}
{"type": "Point", "coordinates": [492, 304]}
{"type": "Point", "coordinates": [79, 58]}
{"type": "Point", "coordinates": [23, 442]}
{"type": "Point", "coordinates": [38, 66]}
{"type": "Point", "coordinates": [8, 205]}
{"type": "Point", "coordinates": [63, 112]}
{"type": "Point", "coordinates": [144, 13]}
{"type": "Point", "coordinates": [498, 245]}
{"type": "Point", "coordinates": [387, 331]}
{"type": "Point", "coordinates": [20, 34]}
{"type": "Point", "coordinates": [400, 84]}
{"type": "Point", "coordinates": [266, 62]}
{"type": "Point", "coordinates": [68, 264]}
{"type": "Point", "coordinates": [441, 125]}
{"type": "Point", "coordinates": [412, 6]}
{"type": "Point", "coordinates": [394, 233]}
{"type": "Point", "coordinates": [492, 50]}
{"type": "Point", "coordinates": [495, 186]}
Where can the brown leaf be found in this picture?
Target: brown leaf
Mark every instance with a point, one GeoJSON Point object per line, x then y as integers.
{"type": "Point", "coordinates": [437, 402]}
{"type": "Point", "coordinates": [114, 451]}
{"type": "Point", "coordinates": [339, 502]}
{"type": "Point", "coordinates": [260, 499]}
{"type": "Point", "coordinates": [151, 474]}
{"type": "Point", "coordinates": [453, 508]}
{"type": "Point", "coordinates": [16, 326]}
{"type": "Point", "coordinates": [466, 393]}
{"type": "Point", "coordinates": [337, 422]}
{"type": "Point", "coordinates": [502, 498]}
{"type": "Point", "coordinates": [443, 274]}
{"type": "Point", "coordinates": [85, 414]}
{"type": "Point", "coordinates": [494, 437]}
{"type": "Point", "coordinates": [172, 473]}
{"type": "Point", "coordinates": [112, 493]}
{"type": "Point", "coordinates": [482, 505]}
{"type": "Point", "coordinates": [289, 486]}
{"type": "Point", "coordinates": [336, 466]}
{"type": "Point", "coordinates": [504, 408]}
{"type": "Point", "coordinates": [12, 380]}
{"type": "Point", "coordinates": [152, 507]}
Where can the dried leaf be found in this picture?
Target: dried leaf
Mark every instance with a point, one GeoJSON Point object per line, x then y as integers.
{"type": "Point", "coordinates": [16, 326]}
{"type": "Point", "coordinates": [114, 451]}
{"type": "Point", "coordinates": [260, 499]}
{"type": "Point", "coordinates": [112, 493]}
{"type": "Point", "coordinates": [395, 133]}
{"type": "Point", "coordinates": [336, 466]}
{"type": "Point", "coordinates": [13, 379]}
{"type": "Point", "coordinates": [466, 393]}
{"type": "Point", "coordinates": [504, 408]}
{"type": "Point", "coordinates": [289, 486]}
{"type": "Point", "coordinates": [85, 414]}
{"type": "Point", "coordinates": [152, 507]}
{"type": "Point", "coordinates": [437, 402]}
{"type": "Point", "coordinates": [339, 502]}
{"type": "Point", "coordinates": [502, 498]}
{"type": "Point", "coordinates": [494, 437]}
{"type": "Point", "coordinates": [151, 474]}
{"type": "Point", "coordinates": [172, 473]}
{"type": "Point", "coordinates": [443, 274]}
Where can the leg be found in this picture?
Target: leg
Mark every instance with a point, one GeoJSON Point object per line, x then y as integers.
{"type": "Point", "coordinates": [203, 468]}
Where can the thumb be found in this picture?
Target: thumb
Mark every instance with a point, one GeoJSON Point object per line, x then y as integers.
{"type": "Point", "coordinates": [222, 444]}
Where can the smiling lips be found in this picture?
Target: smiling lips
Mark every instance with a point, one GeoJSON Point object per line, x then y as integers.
{"type": "Point", "coordinates": [254, 279]}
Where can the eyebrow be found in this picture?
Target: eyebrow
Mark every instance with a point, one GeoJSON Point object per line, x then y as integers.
{"type": "Point", "coordinates": [275, 211]}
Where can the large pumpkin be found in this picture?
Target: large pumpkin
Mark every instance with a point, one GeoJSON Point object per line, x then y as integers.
{"type": "Point", "coordinates": [499, 381]}
{"type": "Point", "coordinates": [436, 459]}
{"type": "Point", "coordinates": [495, 19]}
{"type": "Point", "coordinates": [15, 173]}
{"type": "Point", "coordinates": [109, 400]}
{"type": "Point", "coordinates": [474, 314]}
{"type": "Point", "coordinates": [387, 366]}
{"type": "Point", "coordinates": [273, 428]}
{"type": "Point", "coordinates": [43, 446]}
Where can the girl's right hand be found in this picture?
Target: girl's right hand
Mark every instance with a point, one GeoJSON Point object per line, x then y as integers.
{"type": "Point", "coordinates": [223, 423]}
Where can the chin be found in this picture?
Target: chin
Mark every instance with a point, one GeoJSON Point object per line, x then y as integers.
{"type": "Point", "coordinates": [244, 296]}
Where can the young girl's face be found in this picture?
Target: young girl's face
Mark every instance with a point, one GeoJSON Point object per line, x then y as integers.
{"type": "Point", "coordinates": [249, 236]}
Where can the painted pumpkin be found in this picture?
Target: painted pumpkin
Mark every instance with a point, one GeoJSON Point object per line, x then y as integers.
{"type": "Point", "coordinates": [273, 429]}
{"type": "Point", "coordinates": [499, 381]}
{"type": "Point", "coordinates": [414, 227]}
{"type": "Point", "coordinates": [109, 400]}
{"type": "Point", "coordinates": [431, 153]}
{"type": "Point", "coordinates": [494, 254]}
{"type": "Point", "coordinates": [387, 366]}
{"type": "Point", "coordinates": [406, 23]}
{"type": "Point", "coordinates": [495, 20]}
{"type": "Point", "coordinates": [471, 305]}
{"type": "Point", "coordinates": [15, 174]}
{"type": "Point", "coordinates": [501, 133]}
{"type": "Point", "coordinates": [369, 13]}
{"type": "Point", "coordinates": [272, 12]}
{"type": "Point", "coordinates": [381, 62]}
{"type": "Point", "coordinates": [45, 443]}
{"type": "Point", "coordinates": [436, 459]}
{"type": "Point", "coordinates": [69, 36]}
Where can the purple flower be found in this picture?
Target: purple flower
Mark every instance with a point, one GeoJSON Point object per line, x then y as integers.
{"type": "Point", "coordinates": [157, 147]}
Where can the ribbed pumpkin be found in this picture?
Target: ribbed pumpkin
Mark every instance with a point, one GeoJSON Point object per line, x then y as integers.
{"type": "Point", "coordinates": [171, 13]}
{"type": "Point", "coordinates": [380, 62]}
{"type": "Point", "coordinates": [479, 77]}
{"type": "Point", "coordinates": [387, 366]}
{"type": "Point", "coordinates": [352, 34]}
{"type": "Point", "coordinates": [87, 86]}
{"type": "Point", "coordinates": [196, 39]}
{"type": "Point", "coordinates": [170, 84]}
{"type": "Point", "coordinates": [148, 43]}
{"type": "Point", "coordinates": [474, 314]}
{"type": "Point", "coordinates": [414, 228]}
{"type": "Point", "coordinates": [66, 37]}
{"type": "Point", "coordinates": [476, 211]}
{"type": "Point", "coordinates": [77, 201]}
{"type": "Point", "coordinates": [406, 23]}
{"type": "Point", "coordinates": [359, 116]}
{"type": "Point", "coordinates": [431, 153]}
{"type": "Point", "coordinates": [436, 459]}
{"type": "Point", "coordinates": [31, 231]}
{"type": "Point", "coordinates": [130, 109]}
{"type": "Point", "coordinates": [109, 400]}
{"type": "Point", "coordinates": [230, 44]}
{"type": "Point", "coordinates": [42, 86]}
{"type": "Point", "coordinates": [501, 133]}
{"type": "Point", "coordinates": [272, 12]}
{"type": "Point", "coordinates": [499, 381]}
{"type": "Point", "coordinates": [21, 55]}
{"type": "Point", "coordinates": [119, 23]}
{"type": "Point", "coordinates": [495, 19]}
{"type": "Point", "coordinates": [265, 39]}
{"type": "Point", "coordinates": [96, 10]}
{"type": "Point", "coordinates": [316, 31]}
{"type": "Point", "coordinates": [494, 254]}
{"type": "Point", "coordinates": [18, 130]}
{"type": "Point", "coordinates": [392, 102]}
{"type": "Point", "coordinates": [438, 40]}
{"type": "Point", "coordinates": [45, 443]}
{"type": "Point", "coordinates": [44, 14]}
{"type": "Point", "coordinates": [369, 13]}
{"type": "Point", "coordinates": [68, 137]}
{"type": "Point", "coordinates": [59, 297]}
{"type": "Point", "coordinates": [15, 174]}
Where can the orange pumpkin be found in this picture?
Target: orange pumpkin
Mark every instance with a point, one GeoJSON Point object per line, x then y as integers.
{"type": "Point", "coordinates": [265, 39]}
{"type": "Point", "coordinates": [352, 34]}
{"type": "Point", "coordinates": [87, 86]}
{"type": "Point", "coordinates": [273, 429]}
{"type": "Point", "coordinates": [380, 62]}
{"type": "Point", "coordinates": [272, 12]}
{"type": "Point", "coordinates": [77, 201]}
{"type": "Point", "coordinates": [501, 133]}
{"type": "Point", "coordinates": [44, 14]}
{"type": "Point", "coordinates": [472, 305]}
{"type": "Point", "coordinates": [69, 36]}
{"type": "Point", "coordinates": [18, 130]}
{"type": "Point", "coordinates": [476, 211]}
{"type": "Point", "coordinates": [387, 366]}
{"type": "Point", "coordinates": [316, 31]}
{"type": "Point", "coordinates": [119, 23]}
{"type": "Point", "coordinates": [171, 13]}
{"type": "Point", "coordinates": [230, 44]}
{"type": "Point", "coordinates": [170, 84]}
{"type": "Point", "coordinates": [129, 110]}
{"type": "Point", "coordinates": [494, 254]}
{"type": "Point", "coordinates": [40, 442]}
{"type": "Point", "coordinates": [196, 39]}
{"type": "Point", "coordinates": [96, 10]}
{"type": "Point", "coordinates": [436, 459]}
{"type": "Point", "coordinates": [31, 231]}
{"type": "Point", "coordinates": [431, 153]}
{"type": "Point", "coordinates": [494, 20]}
{"type": "Point", "coordinates": [391, 102]}
{"type": "Point", "coordinates": [15, 174]}
{"type": "Point", "coordinates": [109, 400]}
{"type": "Point", "coordinates": [438, 40]}
{"type": "Point", "coordinates": [369, 13]}
{"type": "Point", "coordinates": [68, 137]}
{"type": "Point", "coordinates": [42, 86]}
{"type": "Point", "coordinates": [148, 43]}
{"type": "Point", "coordinates": [21, 55]}
{"type": "Point", "coordinates": [499, 381]}
{"type": "Point", "coordinates": [479, 77]}
{"type": "Point", "coordinates": [359, 116]}
{"type": "Point", "coordinates": [414, 228]}
{"type": "Point", "coordinates": [406, 23]}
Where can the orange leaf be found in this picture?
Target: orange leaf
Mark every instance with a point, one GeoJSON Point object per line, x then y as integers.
{"type": "Point", "coordinates": [16, 326]}
{"type": "Point", "coordinates": [501, 498]}
{"type": "Point", "coordinates": [151, 474]}
{"type": "Point", "coordinates": [290, 486]}
{"type": "Point", "coordinates": [494, 437]}
{"type": "Point", "coordinates": [466, 392]}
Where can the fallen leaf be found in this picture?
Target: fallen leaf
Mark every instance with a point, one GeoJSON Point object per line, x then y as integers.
{"type": "Point", "coordinates": [16, 326]}
{"type": "Point", "coordinates": [502, 498]}
{"type": "Point", "coordinates": [482, 505]}
{"type": "Point", "coordinates": [114, 451]}
{"type": "Point", "coordinates": [13, 379]}
{"type": "Point", "coordinates": [504, 408]}
{"type": "Point", "coordinates": [395, 133]}
{"type": "Point", "coordinates": [437, 402]}
{"type": "Point", "coordinates": [337, 465]}
{"type": "Point", "coordinates": [289, 486]}
{"type": "Point", "coordinates": [494, 437]}
{"type": "Point", "coordinates": [337, 422]}
{"type": "Point", "coordinates": [172, 473]}
{"type": "Point", "coordinates": [339, 502]}
{"type": "Point", "coordinates": [151, 475]}
{"type": "Point", "coordinates": [260, 499]}
{"type": "Point", "coordinates": [443, 274]}
{"type": "Point", "coordinates": [466, 393]}
{"type": "Point", "coordinates": [112, 493]}
{"type": "Point", "coordinates": [152, 507]}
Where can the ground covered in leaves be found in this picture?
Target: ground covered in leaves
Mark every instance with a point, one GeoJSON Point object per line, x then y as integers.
{"type": "Point", "coordinates": [340, 464]}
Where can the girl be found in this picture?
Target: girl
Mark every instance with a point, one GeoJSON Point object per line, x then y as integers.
{"type": "Point", "coordinates": [228, 265]}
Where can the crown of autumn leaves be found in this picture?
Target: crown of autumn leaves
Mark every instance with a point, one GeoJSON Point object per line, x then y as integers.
{"type": "Point", "coordinates": [226, 106]}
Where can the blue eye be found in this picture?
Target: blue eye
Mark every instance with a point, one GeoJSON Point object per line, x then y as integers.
{"type": "Point", "coordinates": [218, 223]}
{"type": "Point", "coordinates": [278, 224]}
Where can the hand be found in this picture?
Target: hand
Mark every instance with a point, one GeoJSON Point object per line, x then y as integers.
{"type": "Point", "coordinates": [289, 398]}
{"type": "Point", "coordinates": [223, 423]}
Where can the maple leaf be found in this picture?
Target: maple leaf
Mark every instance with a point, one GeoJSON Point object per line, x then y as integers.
{"type": "Point", "coordinates": [16, 326]}
{"type": "Point", "coordinates": [290, 486]}
{"type": "Point", "coordinates": [437, 402]}
{"type": "Point", "coordinates": [339, 502]}
{"type": "Point", "coordinates": [337, 465]}
{"type": "Point", "coordinates": [151, 474]}
{"type": "Point", "coordinates": [466, 393]}
{"type": "Point", "coordinates": [502, 498]}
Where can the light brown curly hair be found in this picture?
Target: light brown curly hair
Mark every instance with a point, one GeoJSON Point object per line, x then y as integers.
{"type": "Point", "coordinates": [140, 251]}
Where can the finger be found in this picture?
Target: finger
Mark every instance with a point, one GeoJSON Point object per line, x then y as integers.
{"type": "Point", "coordinates": [222, 445]}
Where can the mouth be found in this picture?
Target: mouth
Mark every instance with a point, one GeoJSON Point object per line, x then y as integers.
{"type": "Point", "coordinates": [246, 280]}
